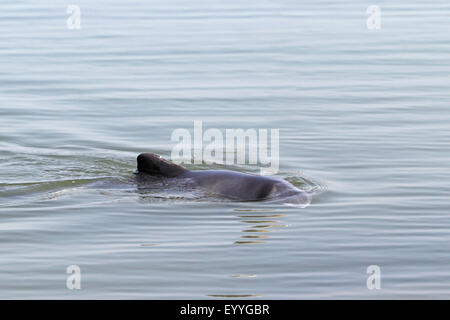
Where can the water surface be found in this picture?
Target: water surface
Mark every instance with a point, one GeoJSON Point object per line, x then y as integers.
{"type": "Point", "coordinates": [363, 116]}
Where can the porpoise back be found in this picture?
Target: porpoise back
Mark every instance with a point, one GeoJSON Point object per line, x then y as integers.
{"type": "Point", "coordinates": [231, 184]}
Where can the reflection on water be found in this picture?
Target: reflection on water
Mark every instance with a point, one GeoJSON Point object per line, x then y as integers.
{"type": "Point", "coordinates": [262, 221]}
{"type": "Point", "coordinates": [255, 237]}
{"type": "Point", "coordinates": [234, 295]}
{"type": "Point", "coordinates": [265, 216]}
{"type": "Point", "coordinates": [248, 242]}
{"type": "Point", "coordinates": [257, 224]}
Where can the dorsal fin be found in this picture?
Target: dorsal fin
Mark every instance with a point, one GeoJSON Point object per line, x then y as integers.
{"type": "Point", "coordinates": [154, 164]}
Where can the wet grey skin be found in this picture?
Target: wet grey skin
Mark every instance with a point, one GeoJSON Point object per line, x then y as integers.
{"type": "Point", "coordinates": [230, 184]}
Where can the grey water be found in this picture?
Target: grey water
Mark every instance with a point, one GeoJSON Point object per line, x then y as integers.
{"type": "Point", "coordinates": [363, 116]}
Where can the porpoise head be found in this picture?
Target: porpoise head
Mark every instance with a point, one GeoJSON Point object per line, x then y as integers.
{"type": "Point", "coordinates": [154, 164]}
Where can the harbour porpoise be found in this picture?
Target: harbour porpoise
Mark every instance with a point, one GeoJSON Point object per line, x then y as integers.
{"type": "Point", "coordinates": [233, 185]}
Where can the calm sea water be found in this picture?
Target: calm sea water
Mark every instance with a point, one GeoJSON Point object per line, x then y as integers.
{"type": "Point", "coordinates": [363, 116]}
